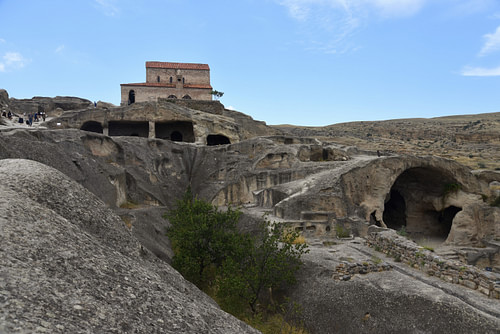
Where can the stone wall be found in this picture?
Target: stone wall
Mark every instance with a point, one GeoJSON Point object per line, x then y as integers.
{"type": "Point", "coordinates": [189, 76]}
{"type": "Point", "coordinates": [456, 272]}
{"type": "Point", "coordinates": [212, 107]}
{"type": "Point", "coordinates": [151, 94]}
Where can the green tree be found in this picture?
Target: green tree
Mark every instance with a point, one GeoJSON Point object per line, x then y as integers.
{"type": "Point", "coordinates": [202, 237]}
{"type": "Point", "coordinates": [264, 265]}
{"type": "Point", "coordinates": [238, 267]}
{"type": "Point", "coordinates": [217, 94]}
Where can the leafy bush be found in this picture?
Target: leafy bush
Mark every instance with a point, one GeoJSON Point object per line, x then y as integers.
{"type": "Point", "coordinates": [402, 231]}
{"type": "Point", "coordinates": [341, 231]}
{"type": "Point", "coordinates": [237, 269]}
{"type": "Point", "coordinates": [202, 237]}
{"type": "Point", "coordinates": [264, 265]}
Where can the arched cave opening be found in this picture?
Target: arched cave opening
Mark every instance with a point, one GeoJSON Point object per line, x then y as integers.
{"type": "Point", "coordinates": [92, 126]}
{"type": "Point", "coordinates": [416, 201]}
{"type": "Point", "coordinates": [446, 220]}
{"type": "Point", "coordinates": [175, 131]}
{"type": "Point", "coordinates": [213, 140]}
{"type": "Point", "coordinates": [127, 128]}
{"type": "Point", "coordinates": [131, 97]}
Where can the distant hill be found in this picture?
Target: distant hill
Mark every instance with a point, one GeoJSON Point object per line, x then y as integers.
{"type": "Point", "coordinates": [473, 140]}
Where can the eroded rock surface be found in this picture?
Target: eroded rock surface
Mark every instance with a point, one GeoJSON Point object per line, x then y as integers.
{"type": "Point", "coordinates": [69, 265]}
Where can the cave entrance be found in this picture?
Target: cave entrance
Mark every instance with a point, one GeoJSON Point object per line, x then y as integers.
{"type": "Point", "coordinates": [213, 140]}
{"type": "Point", "coordinates": [92, 126]}
{"type": "Point", "coordinates": [124, 128]}
{"type": "Point", "coordinates": [175, 131]}
{"type": "Point", "coordinates": [416, 202]}
{"type": "Point", "coordinates": [395, 211]}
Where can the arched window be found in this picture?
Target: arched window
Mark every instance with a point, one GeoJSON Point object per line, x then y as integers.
{"type": "Point", "coordinates": [186, 97]}
{"type": "Point", "coordinates": [182, 80]}
{"type": "Point", "coordinates": [158, 78]}
{"type": "Point", "coordinates": [171, 97]}
{"type": "Point", "coordinates": [170, 79]}
{"type": "Point", "coordinates": [131, 97]}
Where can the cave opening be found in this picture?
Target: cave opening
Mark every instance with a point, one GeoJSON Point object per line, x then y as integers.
{"type": "Point", "coordinates": [181, 131]}
{"type": "Point", "coordinates": [395, 211]}
{"type": "Point", "coordinates": [417, 203]}
{"type": "Point", "coordinates": [128, 128]}
{"type": "Point", "coordinates": [213, 140]}
{"type": "Point", "coordinates": [92, 126]}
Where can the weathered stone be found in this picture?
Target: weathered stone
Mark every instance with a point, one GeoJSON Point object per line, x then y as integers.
{"type": "Point", "coordinates": [69, 263]}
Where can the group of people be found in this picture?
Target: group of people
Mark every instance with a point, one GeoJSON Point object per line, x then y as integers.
{"type": "Point", "coordinates": [27, 118]}
{"type": "Point", "coordinates": [7, 114]}
{"type": "Point", "coordinates": [32, 117]}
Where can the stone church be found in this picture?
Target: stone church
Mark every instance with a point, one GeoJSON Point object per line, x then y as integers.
{"type": "Point", "coordinates": [170, 81]}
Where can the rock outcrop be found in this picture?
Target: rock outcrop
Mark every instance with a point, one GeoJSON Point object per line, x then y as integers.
{"type": "Point", "coordinates": [401, 300]}
{"type": "Point", "coordinates": [49, 105]}
{"type": "Point", "coordinates": [4, 99]}
{"type": "Point", "coordinates": [69, 265]}
{"type": "Point", "coordinates": [140, 159]}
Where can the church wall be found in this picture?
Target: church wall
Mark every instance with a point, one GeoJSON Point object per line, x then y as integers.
{"type": "Point", "coordinates": [151, 94]}
{"type": "Point", "coordinates": [190, 76]}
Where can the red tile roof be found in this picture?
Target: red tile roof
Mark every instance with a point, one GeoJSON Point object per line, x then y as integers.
{"type": "Point", "coordinates": [181, 66]}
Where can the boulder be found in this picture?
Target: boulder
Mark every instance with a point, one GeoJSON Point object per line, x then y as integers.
{"type": "Point", "coordinates": [4, 99]}
{"type": "Point", "coordinates": [69, 264]}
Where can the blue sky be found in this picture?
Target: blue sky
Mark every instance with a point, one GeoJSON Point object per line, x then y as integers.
{"type": "Point", "coordinates": [303, 62]}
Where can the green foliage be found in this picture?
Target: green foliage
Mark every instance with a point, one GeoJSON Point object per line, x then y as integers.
{"type": "Point", "coordinates": [429, 248]}
{"type": "Point", "coordinates": [217, 94]}
{"type": "Point", "coordinates": [264, 265]}
{"type": "Point", "coordinates": [402, 231]}
{"type": "Point", "coordinates": [341, 231]}
{"type": "Point", "coordinates": [496, 202]}
{"type": "Point", "coordinates": [451, 188]}
{"type": "Point", "coordinates": [280, 321]}
{"type": "Point", "coordinates": [237, 269]}
{"type": "Point", "coordinates": [201, 237]}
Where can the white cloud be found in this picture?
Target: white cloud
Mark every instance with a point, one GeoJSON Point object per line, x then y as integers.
{"type": "Point", "coordinates": [342, 18]}
{"type": "Point", "coordinates": [492, 43]}
{"type": "Point", "coordinates": [301, 9]}
{"type": "Point", "coordinates": [2, 40]}
{"type": "Point", "coordinates": [230, 108]}
{"type": "Point", "coordinates": [12, 61]}
{"type": "Point", "coordinates": [108, 7]}
{"type": "Point", "coordinates": [481, 72]}
{"type": "Point", "coordinates": [59, 49]}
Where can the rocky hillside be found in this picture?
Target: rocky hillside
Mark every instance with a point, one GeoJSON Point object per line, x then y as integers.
{"type": "Point", "coordinates": [83, 242]}
{"type": "Point", "coordinates": [68, 264]}
{"type": "Point", "coordinates": [473, 140]}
